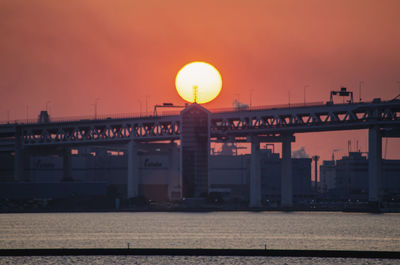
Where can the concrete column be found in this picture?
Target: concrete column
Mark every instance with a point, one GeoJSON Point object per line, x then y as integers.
{"type": "Point", "coordinates": [286, 169]}
{"type": "Point", "coordinates": [181, 169]}
{"type": "Point", "coordinates": [174, 174]}
{"type": "Point", "coordinates": [18, 164]}
{"type": "Point", "coordinates": [255, 174]}
{"type": "Point", "coordinates": [18, 157]}
{"type": "Point", "coordinates": [133, 171]}
{"type": "Point", "coordinates": [374, 163]}
{"type": "Point", "coordinates": [67, 164]}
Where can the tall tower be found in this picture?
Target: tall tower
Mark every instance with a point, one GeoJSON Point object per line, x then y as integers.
{"type": "Point", "coordinates": [195, 132]}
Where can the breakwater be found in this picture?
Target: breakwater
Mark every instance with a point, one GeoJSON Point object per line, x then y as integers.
{"type": "Point", "coordinates": [200, 252]}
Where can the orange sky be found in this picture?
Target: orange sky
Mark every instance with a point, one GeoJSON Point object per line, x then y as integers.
{"type": "Point", "coordinates": [72, 52]}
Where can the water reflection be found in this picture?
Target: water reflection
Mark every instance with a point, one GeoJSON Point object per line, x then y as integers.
{"type": "Point", "coordinates": [276, 230]}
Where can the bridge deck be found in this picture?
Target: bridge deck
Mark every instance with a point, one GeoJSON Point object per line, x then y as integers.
{"type": "Point", "coordinates": [223, 123]}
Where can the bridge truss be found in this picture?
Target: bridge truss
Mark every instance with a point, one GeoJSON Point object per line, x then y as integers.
{"type": "Point", "coordinates": [222, 124]}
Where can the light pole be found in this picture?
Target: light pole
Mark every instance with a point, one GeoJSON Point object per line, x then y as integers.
{"type": "Point", "coordinates": [359, 91]}
{"type": "Point", "coordinates": [398, 83]}
{"type": "Point", "coordinates": [251, 95]}
{"type": "Point", "coordinates": [95, 107]}
{"type": "Point", "coordinates": [140, 107]}
{"type": "Point", "coordinates": [305, 87]}
{"type": "Point", "coordinates": [147, 98]}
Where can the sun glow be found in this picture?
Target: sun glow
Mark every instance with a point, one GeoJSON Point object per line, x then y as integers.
{"type": "Point", "coordinates": [198, 82]}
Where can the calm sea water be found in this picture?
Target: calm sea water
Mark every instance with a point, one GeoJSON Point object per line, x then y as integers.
{"type": "Point", "coordinates": [276, 230]}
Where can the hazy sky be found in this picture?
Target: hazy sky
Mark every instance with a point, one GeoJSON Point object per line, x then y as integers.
{"type": "Point", "coordinates": [122, 52]}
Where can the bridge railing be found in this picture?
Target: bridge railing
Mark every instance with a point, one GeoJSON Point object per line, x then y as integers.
{"type": "Point", "coordinates": [266, 107]}
{"type": "Point", "coordinates": [86, 118]}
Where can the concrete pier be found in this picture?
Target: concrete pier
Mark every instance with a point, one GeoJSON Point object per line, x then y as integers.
{"type": "Point", "coordinates": [286, 181]}
{"type": "Point", "coordinates": [255, 174]}
{"type": "Point", "coordinates": [18, 156]}
{"type": "Point", "coordinates": [374, 163]}
{"type": "Point", "coordinates": [133, 167]}
{"type": "Point", "coordinates": [67, 164]}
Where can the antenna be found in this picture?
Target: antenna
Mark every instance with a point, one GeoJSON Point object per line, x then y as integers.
{"type": "Point", "coordinates": [359, 91]}
{"type": "Point", "coordinates": [349, 146]}
{"type": "Point", "coordinates": [333, 153]}
{"type": "Point", "coordinates": [195, 88]}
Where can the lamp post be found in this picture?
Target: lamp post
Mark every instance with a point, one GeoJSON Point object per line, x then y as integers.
{"type": "Point", "coordinates": [95, 107]}
{"type": "Point", "coordinates": [140, 107]}
{"type": "Point", "coordinates": [305, 87]}
{"type": "Point", "coordinates": [147, 98]}
{"type": "Point", "coordinates": [251, 95]}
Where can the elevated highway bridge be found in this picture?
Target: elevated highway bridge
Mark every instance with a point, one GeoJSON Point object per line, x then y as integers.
{"type": "Point", "coordinates": [255, 125]}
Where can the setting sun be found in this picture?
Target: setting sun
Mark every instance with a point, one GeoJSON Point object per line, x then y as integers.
{"type": "Point", "coordinates": [198, 82]}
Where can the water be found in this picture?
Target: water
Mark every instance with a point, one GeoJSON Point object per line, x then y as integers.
{"type": "Point", "coordinates": [276, 230]}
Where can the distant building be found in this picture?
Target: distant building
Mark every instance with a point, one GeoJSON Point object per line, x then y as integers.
{"type": "Point", "coordinates": [348, 178]}
{"type": "Point", "coordinates": [327, 174]}
{"type": "Point", "coordinates": [105, 169]}
{"type": "Point", "coordinates": [391, 177]}
{"type": "Point", "coordinates": [96, 171]}
{"type": "Point", "coordinates": [352, 176]}
{"type": "Point", "coordinates": [231, 174]}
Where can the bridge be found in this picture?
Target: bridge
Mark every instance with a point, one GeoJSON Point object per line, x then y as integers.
{"type": "Point", "coordinates": [255, 125]}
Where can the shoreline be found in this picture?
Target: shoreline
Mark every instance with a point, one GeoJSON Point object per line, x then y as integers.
{"type": "Point", "coordinates": [201, 252]}
{"type": "Point", "coordinates": [204, 209]}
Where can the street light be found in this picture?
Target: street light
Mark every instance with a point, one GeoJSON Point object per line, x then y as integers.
{"type": "Point", "coordinates": [95, 108]}
{"type": "Point", "coordinates": [140, 107]}
{"type": "Point", "coordinates": [305, 94]}
{"type": "Point", "coordinates": [251, 95]}
{"type": "Point", "coordinates": [147, 97]}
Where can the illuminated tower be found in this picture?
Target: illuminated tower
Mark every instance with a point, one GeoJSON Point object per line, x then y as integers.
{"type": "Point", "coordinates": [195, 132]}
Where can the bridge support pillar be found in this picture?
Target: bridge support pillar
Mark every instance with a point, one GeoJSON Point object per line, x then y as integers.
{"type": "Point", "coordinates": [286, 172]}
{"type": "Point", "coordinates": [133, 171]}
{"type": "Point", "coordinates": [67, 164]}
{"type": "Point", "coordinates": [18, 164]}
{"type": "Point", "coordinates": [18, 157]}
{"type": "Point", "coordinates": [174, 178]}
{"type": "Point", "coordinates": [374, 163]}
{"type": "Point", "coordinates": [255, 174]}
